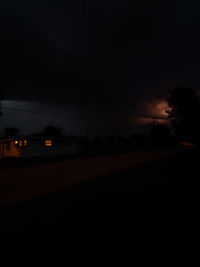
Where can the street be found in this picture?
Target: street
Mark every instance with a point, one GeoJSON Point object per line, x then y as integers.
{"type": "Point", "coordinates": [25, 183]}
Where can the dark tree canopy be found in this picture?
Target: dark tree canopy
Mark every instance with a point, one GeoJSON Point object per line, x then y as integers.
{"type": "Point", "coordinates": [184, 112]}
{"type": "Point", "coordinates": [51, 130]}
{"type": "Point", "coordinates": [10, 132]}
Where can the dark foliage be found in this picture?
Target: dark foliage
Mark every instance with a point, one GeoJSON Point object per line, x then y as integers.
{"type": "Point", "coordinates": [110, 140]}
{"type": "Point", "coordinates": [51, 130]}
{"type": "Point", "coordinates": [98, 141]}
{"type": "Point", "coordinates": [160, 133]}
{"type": "Point", "coordinates": [184, 112]}
{"type": "Point", "coordinates": [10, 132]}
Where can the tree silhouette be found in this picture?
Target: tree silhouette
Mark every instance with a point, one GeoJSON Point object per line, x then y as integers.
{"type": "Point", "coordinates": [10, 132]}
{"type": "Point", "coordinates": [184, 112]}
{"type": "Point", "coordinates": [159, 133]}
{"type": "Point", "coordinates": [53, 131]}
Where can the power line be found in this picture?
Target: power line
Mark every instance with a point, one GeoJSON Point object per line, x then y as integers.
{"type": "Point", "coordinates": [78, 119]}
{"type": "Point", "coordinates": [40, 113]}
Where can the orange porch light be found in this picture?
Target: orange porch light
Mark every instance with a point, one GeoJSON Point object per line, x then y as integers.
{"type": "Point", "coordinates": [48, 142]}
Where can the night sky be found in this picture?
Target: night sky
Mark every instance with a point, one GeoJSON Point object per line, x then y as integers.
{"type": "Point", "coordinates": [102, 65]}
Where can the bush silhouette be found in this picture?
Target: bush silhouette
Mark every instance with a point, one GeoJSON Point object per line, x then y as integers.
{"type": "Point", "coordinates": [159, 133]}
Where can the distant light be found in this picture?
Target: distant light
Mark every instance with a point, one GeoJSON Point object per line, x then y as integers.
{"type": "Point", "coordinates": [187, 144]}
{"type": "Point", "coordinates": [25, 143]}
{"type": "Point", "coordinates": [48, 142]}
{"type": "Point", "coordinates": [20, 143]}
{"type": "Point", "coordinates": [16, 142]}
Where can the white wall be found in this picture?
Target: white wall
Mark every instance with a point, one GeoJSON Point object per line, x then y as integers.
{"type": "Point", "coordinates": [36, 148]}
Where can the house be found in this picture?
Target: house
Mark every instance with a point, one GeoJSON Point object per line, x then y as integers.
{"type": "Point", "coordinates": [31, 147]}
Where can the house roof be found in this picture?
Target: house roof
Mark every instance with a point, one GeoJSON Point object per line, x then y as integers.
{"type": "Point", "coordinates": [40, 138]}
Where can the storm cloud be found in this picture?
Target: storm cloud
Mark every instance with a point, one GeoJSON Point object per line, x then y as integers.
{"type": "Point", "coordinates": [105, 59]}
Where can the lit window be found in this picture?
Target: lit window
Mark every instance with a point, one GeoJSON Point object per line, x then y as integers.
{"type": "Point", "coordinates": [20, 143]}
{"type": "Point", "coordinates": [48, 142]}
{"type": "Point", "coordinates": [25, 143]}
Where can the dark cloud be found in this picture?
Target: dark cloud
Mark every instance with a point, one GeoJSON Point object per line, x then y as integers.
{"type": "Point", "coordinates": [73, 47]}
{"type": "Point", "coordinates": [103, 56]}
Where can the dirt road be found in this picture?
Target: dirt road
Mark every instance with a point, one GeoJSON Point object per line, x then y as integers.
{"type": "Point", "coordinates": [25, 183]}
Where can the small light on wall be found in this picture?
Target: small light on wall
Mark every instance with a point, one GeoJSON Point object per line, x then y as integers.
{"type": "Point", "coordinates": [25, 143]}
{"type": "Point", "coordinates": [16, 142]}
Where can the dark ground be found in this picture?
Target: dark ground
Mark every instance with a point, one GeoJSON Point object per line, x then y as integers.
{"type": "Point", "coordinates": [163, 190]}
